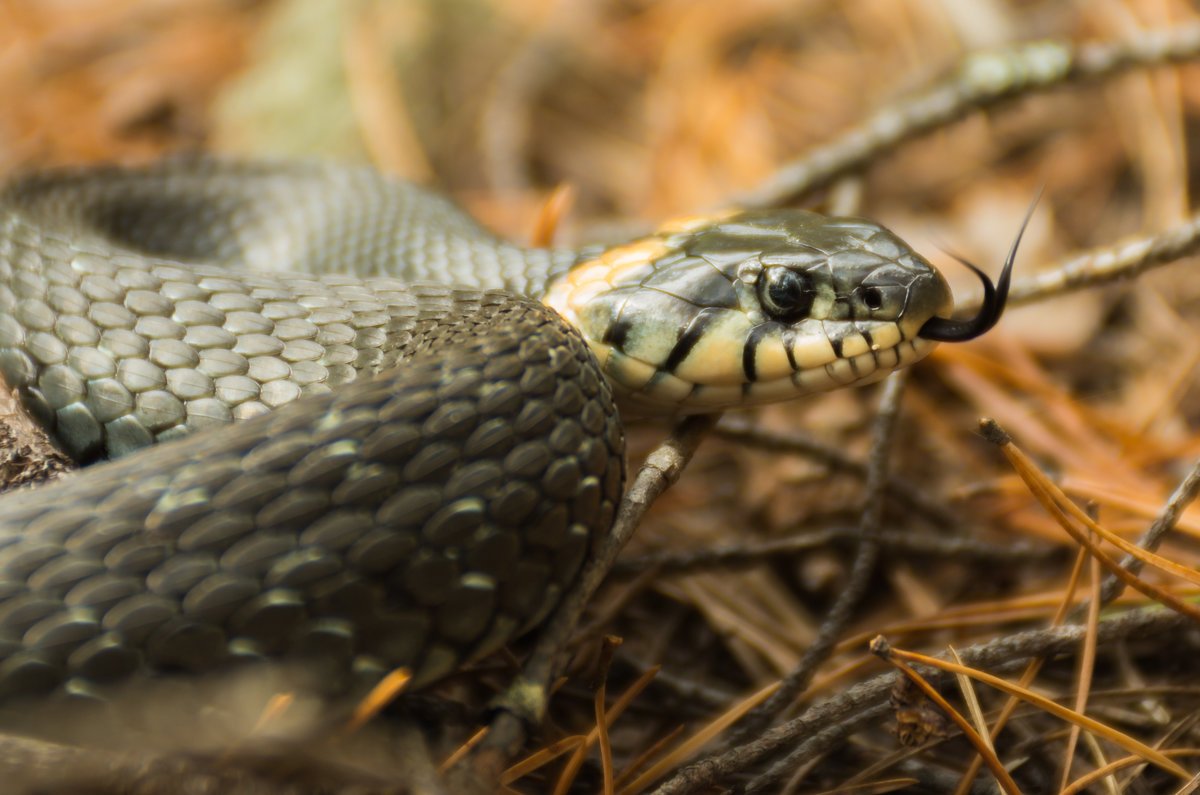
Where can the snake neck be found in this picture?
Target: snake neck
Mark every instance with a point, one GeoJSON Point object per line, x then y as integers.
{"type": "Point", "coordinates": [490, 265]}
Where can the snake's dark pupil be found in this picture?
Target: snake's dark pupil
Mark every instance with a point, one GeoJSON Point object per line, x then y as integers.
{"type": "Point", "coordinates": [873, 298]}
{"type": "Point", "coordinates": [788, 293]}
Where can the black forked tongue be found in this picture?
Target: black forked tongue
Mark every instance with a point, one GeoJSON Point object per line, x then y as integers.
{"type": "Point", "coordinates": [995, 296]}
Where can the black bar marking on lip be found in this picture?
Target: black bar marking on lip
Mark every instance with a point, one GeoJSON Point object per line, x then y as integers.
{"type": "Point", "coordinates": [617, 332]}
{"type": "Point", "coordinates": [749, 367]}
{"type": "Point", "coordinates": [789, 342]}
{"type": "Point", "coordinates": [691, 335]}
{"type": "Point", "coordinates": [836, 344]}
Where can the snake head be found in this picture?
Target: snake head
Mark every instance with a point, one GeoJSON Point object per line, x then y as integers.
{"type": "Point", "coordinates": [758, 306]}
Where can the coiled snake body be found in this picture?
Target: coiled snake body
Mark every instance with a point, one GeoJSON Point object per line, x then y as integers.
{"type": "Point", "coordinates": [403, 454]}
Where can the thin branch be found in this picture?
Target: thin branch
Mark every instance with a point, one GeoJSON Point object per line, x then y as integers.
{"type": "Point", "coordinates": [1184, 494]}
{"type": "Point", "coordinates": [908, 494]}
{"type": "Point", "coordinates": [1063, 510]}
{"type": "Point", "coordinates": [1124, 259]}
{"type": "Point", "coordinates": [865, 561]}
{"type": "Point", "coordinates": [981, 80]}
{"type": "Point", "coordinates": [901, 542]}
{"type": "Point", "coordinates": [826, 725]}
{"type": "Point", "coordinates": [982, 747]}
{"type": "Point", "coordinates": [880, 646]}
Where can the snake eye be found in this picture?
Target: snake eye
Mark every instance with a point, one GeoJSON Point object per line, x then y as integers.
{"type": "Point", "coordinates": [785, 294]}
{"type": "Point", "coordinates": [872, 298]}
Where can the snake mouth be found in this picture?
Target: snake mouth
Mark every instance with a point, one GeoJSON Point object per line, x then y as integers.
{"type": "Point", "coordinates": [995, 298]}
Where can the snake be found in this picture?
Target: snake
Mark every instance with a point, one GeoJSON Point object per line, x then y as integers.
{"type": "Point", "coordinates": [327, 417]}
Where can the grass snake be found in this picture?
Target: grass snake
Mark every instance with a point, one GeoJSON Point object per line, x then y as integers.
{"type": "Point", "coordinates": [383, 446]}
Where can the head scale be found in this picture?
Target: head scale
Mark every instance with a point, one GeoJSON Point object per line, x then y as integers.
{"type": "Point", "coordinates": [756, 307]}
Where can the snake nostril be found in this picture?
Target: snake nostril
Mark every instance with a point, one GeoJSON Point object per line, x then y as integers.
{"type": "Point", "coordinates": [873, 298]}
